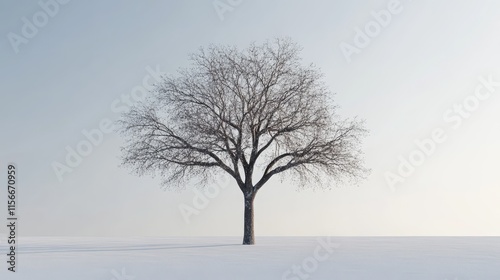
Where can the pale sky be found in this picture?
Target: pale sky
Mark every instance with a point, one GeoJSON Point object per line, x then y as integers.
{"type": "Point", "coordinates": [81, 64]}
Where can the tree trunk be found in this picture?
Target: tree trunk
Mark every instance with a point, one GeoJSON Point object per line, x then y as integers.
{"type": "Point", "coordinates": [248, 235]}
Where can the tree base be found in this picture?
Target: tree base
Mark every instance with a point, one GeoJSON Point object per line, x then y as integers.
{"type": "Point", "coordinates": [251, 242]}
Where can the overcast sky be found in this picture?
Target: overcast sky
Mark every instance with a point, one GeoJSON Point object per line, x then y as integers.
{"type": "Point", "coordinates": [413, 70]}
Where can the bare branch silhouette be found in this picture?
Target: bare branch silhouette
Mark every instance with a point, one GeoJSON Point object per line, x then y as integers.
{"type": "Point", "coordinates": [252, 114]}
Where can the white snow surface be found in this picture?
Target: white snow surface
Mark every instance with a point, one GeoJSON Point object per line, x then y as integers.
{"type": "Point", "coordinates": [146, 258]}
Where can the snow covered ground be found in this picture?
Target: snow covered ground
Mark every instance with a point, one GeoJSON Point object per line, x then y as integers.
{"type": "Point", "coordinates": [297, 258]}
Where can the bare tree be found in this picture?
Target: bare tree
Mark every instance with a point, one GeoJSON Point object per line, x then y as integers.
{"type": "Point", "coordinates": [252, 114]}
